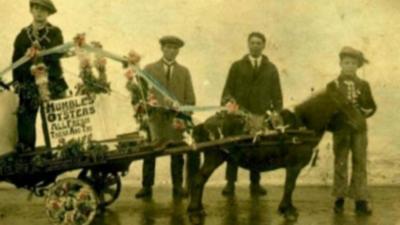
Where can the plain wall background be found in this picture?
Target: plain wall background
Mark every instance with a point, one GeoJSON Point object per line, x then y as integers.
{"type": "Point", "coordinates": [304, 38]}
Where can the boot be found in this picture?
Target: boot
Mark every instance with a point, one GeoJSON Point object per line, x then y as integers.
{"type": "Point", "coordinates": [339, 206]}
{"type": "Point", "coordinates": [229, 189]}
{"type": "Point", "coordinates": [257, 190]}
{"type": "Point", "coordinates": [145, 192]}
{"type": "Point", "coordinates": [362, 208]}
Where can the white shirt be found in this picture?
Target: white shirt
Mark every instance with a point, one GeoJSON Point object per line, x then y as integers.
{"type": "Point", "coordinates": [165, 65]}
{"type": "Point", "coordinates": [254, 60]}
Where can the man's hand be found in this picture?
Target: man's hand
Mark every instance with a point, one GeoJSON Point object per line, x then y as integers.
{"type": "Point", "coordinates": [33, 51]}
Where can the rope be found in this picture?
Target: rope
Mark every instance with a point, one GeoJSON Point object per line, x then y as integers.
{"type": "Point", "coordinates": [150, 79]}
{"type": "Point", "coordinates": [57, 49]}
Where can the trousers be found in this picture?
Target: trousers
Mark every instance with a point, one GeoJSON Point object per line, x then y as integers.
{"type": "Point", "coordinates": [347, 141]}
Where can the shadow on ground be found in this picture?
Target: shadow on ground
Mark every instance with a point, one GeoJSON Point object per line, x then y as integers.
{"type": "Point", "coordinates": [314, 204]}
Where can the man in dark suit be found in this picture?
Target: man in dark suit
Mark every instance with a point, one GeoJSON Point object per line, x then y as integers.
{"type": "Point", "coordinates": [45, 35]}
{"type": "Point", "coordinates": [177, 80]}
{"type": "Point", "coordinates": [253, 84]}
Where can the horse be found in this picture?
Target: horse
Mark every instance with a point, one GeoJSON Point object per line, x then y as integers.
{"type": "Point", "coordinates": [314, 114]}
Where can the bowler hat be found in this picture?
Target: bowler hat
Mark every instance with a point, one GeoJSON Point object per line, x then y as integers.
{"type": "Point", "coordinates": [48, 4]}
{"type": "Point", "coordinates": [352, 52]}
{"type": "Point", "coordinates": [172, 40]}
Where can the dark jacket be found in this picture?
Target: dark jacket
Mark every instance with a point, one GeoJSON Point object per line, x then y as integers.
{"type": "Point", "coordinates": [49, 37]}
{"type": "Point", "coordinates": [363, 101]}
{"type": "Point", "coordinates": [257, 92]}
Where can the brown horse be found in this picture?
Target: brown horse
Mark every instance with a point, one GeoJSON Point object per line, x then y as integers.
{"type": "Point", "coordinates": [292, 150]}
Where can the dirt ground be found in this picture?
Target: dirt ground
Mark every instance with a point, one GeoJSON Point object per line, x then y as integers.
{"type": "Point", "coordinates": [314, 204]}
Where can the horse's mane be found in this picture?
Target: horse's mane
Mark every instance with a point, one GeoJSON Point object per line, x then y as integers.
{"type": "Point", "coordinates": [315, 111]}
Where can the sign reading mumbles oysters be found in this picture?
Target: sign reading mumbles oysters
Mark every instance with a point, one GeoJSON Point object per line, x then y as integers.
{"type": "Point", "coordinates": [70, 118]}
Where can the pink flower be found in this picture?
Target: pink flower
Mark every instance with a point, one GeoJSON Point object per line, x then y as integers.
{"type": "Point", "coordinates": [79, 39]}
{"type": "Point", "coordinates": [38, 70]}
{"type": "Point", "coordinates": [133, 57]}
{"type": "Point", "coordinates": [85, 63]}
{"type": "Point", "coordinates": [129, 74]}
{"type": "Point", "coordinates": [100, 62]}
{"type": "Point", "coordinates": [178, 124]}
{"type": "Point", "coordinates": [152, 100]}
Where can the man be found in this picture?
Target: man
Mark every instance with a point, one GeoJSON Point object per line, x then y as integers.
{"type": "Point", "coordinates": [252, 84]}
{"type": "Point", "coordinates": [177, 80]}
{"type": "Point", "coordinates": [346, 139]}
{"type": "Point", "coordinates": [43, 35]}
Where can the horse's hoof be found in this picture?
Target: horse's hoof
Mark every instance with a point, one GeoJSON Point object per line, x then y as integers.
{"type": "Point", "coordinates": [197, 218]}
{"type": "Point", "coordinates": [291, 216]}
{"type": "Point", "coordinates": [289, 213]}
{"type": "Point", "coordinates": [200, 212]}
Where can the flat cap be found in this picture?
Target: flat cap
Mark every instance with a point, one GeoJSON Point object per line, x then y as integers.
{"type": "Point", "coordinates": [48, 4]}
{"type": "Point", "coordinates": [352, 52]}
{"type": "Point", "coordinates": [172, 40]}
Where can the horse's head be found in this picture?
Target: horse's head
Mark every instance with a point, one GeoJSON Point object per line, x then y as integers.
{"type": "Point", "coordinates": [319, 110]}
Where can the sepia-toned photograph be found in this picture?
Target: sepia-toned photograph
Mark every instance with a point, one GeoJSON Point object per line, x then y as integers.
{"type": "Point", "coordinates": [213, 112]}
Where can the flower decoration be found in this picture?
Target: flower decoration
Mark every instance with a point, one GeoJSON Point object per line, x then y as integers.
{"type": "Point", "coordinates": [178, 124]}
{"type": "Point", "coordinates": [77, 207]}
{"type": "Point", "coordinates": [133, 57]}
{"type": "Point", "coordinates": [39, 71]}
{"type": "Point", "coordinates": [73, 149]}
{"type": "Point", "coordinates": [97, 151]}
{"type": "Point", "coordinates": [130, 73]}
{"type": "Point", "coordinates": [33, 51]}
{"type": "Point", "coordinates": [152, 99]}
{"type": "Point", "coordinates": [80, 40]}
{"type": "Point", "coordinates": [91, 84]}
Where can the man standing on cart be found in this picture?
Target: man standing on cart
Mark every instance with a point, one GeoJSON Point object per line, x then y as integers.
{"type": "Point", "coordinates": [39, 35]}
{"type": "Point", "coordinates": [162, 124]}
{"type": "Point", "coordinates": [253, 85]}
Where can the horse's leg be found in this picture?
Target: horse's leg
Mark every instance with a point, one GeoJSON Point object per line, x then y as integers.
{"type": "Point", "coordinates": [286, 207]}
{"type": "Point", "coordinates": [212, 160]}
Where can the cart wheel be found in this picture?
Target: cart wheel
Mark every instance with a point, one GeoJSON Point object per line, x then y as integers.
{"type": "Point", "coordinates": [106, 184]}
{"type": "Point", "coordinates": [71, 202]}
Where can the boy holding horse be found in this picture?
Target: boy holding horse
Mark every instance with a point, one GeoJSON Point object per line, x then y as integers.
{"type": "Point", "coordinates": [347, 139]}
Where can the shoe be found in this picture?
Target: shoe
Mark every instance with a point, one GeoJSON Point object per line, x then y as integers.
{"type": "Point", "coordinates": [339, 206]}
{"type": "Point", "coordinates": [145, 192]}
{"type": "Point", "coordinates": [229, 189]}
{"type": "Point", "coordinates": [257, 190]}
{"type": "Point", "coordinates": [362, 208]}
{"type": "Point", "coordinates": [179, 192]}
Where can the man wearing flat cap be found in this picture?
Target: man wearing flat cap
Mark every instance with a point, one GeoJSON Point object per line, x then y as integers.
{"type": "Point", "coordinates": [347, 139]}
{"type": "Point", "coordinates": [177, 80]}
{"type": "Point", "coordinates": [44, 35]}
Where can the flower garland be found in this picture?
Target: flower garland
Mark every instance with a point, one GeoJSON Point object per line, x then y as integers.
{"type": "Point", "coordinates": [40, 72]}
{"type": "Point", "coordinates": [73, 149]}
{"type": "Point", "coordinates": [97, 151]}
{"type": "Point", "coordinates": [91, 84]}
